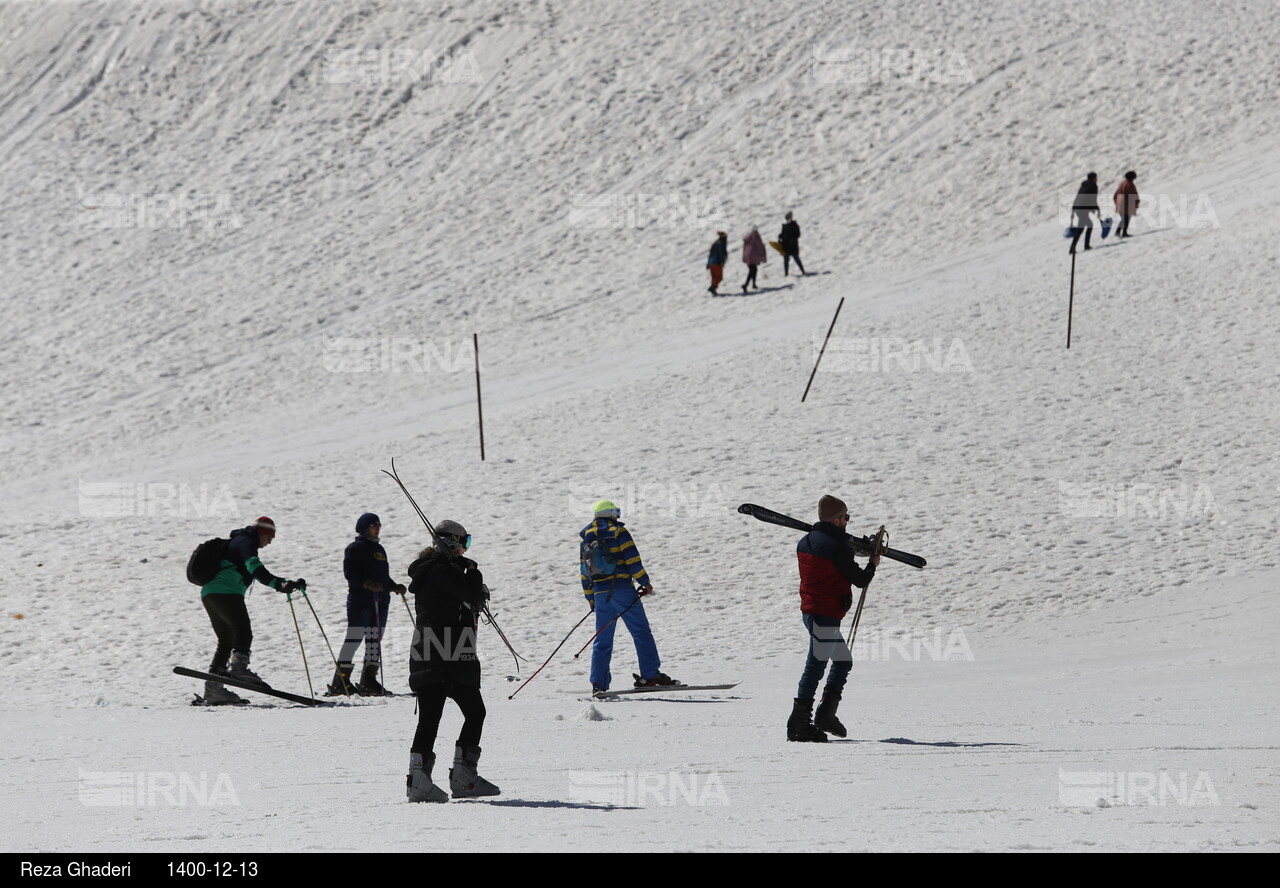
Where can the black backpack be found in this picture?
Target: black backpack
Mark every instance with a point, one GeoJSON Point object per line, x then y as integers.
{"type": "Point", "coordinates": [205, 561]}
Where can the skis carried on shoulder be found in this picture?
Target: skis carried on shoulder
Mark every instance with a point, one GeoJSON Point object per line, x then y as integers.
{"type": "Point", "coordinates": [657, 689]}
{"type": "Point", "coordinates": [863, 546]}
{"type": "Point", "coordinates": [249, 686]}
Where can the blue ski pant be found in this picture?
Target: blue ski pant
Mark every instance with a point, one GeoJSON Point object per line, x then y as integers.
{"type": "Point", "coordinates": [609, 605]}
{"type": "Point", "coordinates": [825, 645]}
{"type": "Point", "coordinates": [366, 622]}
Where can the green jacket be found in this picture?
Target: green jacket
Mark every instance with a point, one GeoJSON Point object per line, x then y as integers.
{"type": "Point", "coordinates": [240, 567]}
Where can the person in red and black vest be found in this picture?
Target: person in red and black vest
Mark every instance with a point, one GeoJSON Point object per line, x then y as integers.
{"type": "Point", "coordinates": [828, 574]}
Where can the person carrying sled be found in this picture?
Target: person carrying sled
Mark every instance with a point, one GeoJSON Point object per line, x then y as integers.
{"type": "Point", "coordinates": [369, 588]}
{"type": "Point", "coordinates": [610, 587]}
{"type": "Point", "coordinates": [1127, 202]}
{"type": "Point", "coordinates": [827, 575]}
{"type": "Point", "coordinates": [789, 240]}
{"type": "Point", "coordinates": [449, 594]}
{"type": "Point", "coordinates": [1085, 204]}
{"type": "Point", "coordinates": [753, 255]}
{"type": "Point", "coordinates": [223, 600]}
{"type": "Point", "coordinates": [716, 259]}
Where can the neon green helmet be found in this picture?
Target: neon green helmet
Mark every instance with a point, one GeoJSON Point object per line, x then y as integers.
{"type": "Point", "coordinates": [605, 509]}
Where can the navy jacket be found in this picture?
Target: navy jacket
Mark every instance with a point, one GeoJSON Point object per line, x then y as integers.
{"type": "Point", "coordinates": [365, 560]}
{"type": "Point", "coordinates": [719, 252]}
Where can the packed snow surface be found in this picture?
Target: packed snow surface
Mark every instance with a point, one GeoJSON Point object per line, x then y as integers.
{"type": "Point", "coordinates": [248, 250]}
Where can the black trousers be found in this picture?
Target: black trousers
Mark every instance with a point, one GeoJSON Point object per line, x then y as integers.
{"type": "Point", "coordinates": [786, 262]}
{"type": "Point", "coordinates": [230, 619]}
{"type": "Point", "coordinates": [751, 276]}
{"type": "Point", "coordinates": [1084, 225]}
{"type": "Point", "coordinates": [431, 708]}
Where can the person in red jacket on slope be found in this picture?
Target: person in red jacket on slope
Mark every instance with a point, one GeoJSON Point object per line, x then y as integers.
{"type": "Point", "coordinates": [828, 574]}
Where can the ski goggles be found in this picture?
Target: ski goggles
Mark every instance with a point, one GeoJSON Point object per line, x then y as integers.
{"type": "Point", "coordinates": [463, 541]}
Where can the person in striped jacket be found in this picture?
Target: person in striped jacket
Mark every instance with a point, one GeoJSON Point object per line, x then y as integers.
{"type": "Point", "coordinates": [615, 595]}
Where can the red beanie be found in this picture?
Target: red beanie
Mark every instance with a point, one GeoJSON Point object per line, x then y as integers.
{"type": "Point", "coordinates": [265, 525]}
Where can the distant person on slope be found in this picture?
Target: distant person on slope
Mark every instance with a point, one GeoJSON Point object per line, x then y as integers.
{"type": "Point", "coordinates": [789, 238]}
{"type": "Point", "coordinates": [369, 588]}
{"type": "Point", "coordinates": [827, 575]}
{"type": "Point", "coordinates": [449, 592]}
{"type": "Point", "coordinates": [753, 255]}
{"type": "Point", "coordinates": [614, 596]}
{"type": "Point", "coordinates": [1085, 204]}
{"type": "Point", "coordinates": [715, 261]}
{"type": "Point", "coordinates": [223, 600]}
{"type": "Point", "coordinates": [1127, 202]}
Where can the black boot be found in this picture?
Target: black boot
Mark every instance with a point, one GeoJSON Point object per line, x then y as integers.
{"type": "Point", "coordinates": [369, 682]}
{"type": "Point", "coordinates": [825, 718]}
{"type": "Point", "coordinates": [341, 685]}
{"type": "Point", "coordinates": [800, 728]}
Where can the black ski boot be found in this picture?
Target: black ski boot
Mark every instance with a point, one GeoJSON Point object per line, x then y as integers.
{"type": "Point", "coordinates": [341, 685]}
{"type": "Point", "coordinates": [825, 718]}
{"type": "Point", "coordinates": [800, 727]}
{"type": "Point", "coordinates": [369, 682]}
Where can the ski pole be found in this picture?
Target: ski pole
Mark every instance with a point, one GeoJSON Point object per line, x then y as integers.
{"type": "Point", "coordinates": [822, 352]}
{"type": "Point", "coordinates": [323, 634]}
{"type": "Point", "coordinates": [298, 629]}
{"type": "Point", "coordinates": [877, 546]}
{"type": "Point", "coordinates": [553, 653]}
{"type": "Point", "coordinates": [448, 553]}
{"type": "Point", "coordinates": [494, 623]}
{"type": "Point", "coordinates": [377, 619]}
{"type": "Point", "coordinates": [606, 626]}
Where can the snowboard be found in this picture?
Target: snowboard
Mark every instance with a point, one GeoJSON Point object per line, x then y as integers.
{"type": "Point", "coordinates": [777, 245]}
{"type": "Point", "coordinates": [605, 695]}
{"type": "Point", "coordinates": [1106, 227]}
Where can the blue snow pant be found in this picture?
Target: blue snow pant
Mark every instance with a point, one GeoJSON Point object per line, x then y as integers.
{"type": "Point", "coordinates": [366, 621]}
{"type": "Point", "coordinates": [609, 604]}
{"type": "Point", "coordinates": [825, 643]}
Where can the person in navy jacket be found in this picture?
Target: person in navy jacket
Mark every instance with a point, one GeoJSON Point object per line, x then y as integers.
{"type": "Point", "coordinates": [369, 588]}
{"type": "Point", "coordinates": [828, 574]}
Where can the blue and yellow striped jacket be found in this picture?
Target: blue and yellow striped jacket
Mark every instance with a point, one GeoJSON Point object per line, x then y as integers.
{"type": "Point", "coordinates": [623, 551]}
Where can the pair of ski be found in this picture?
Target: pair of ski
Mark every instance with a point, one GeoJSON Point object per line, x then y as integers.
{"type": "Point", "coordinates": [657, 689]}
{"type": "Point", "coordinates": [861, 545]}
{"type": "Point", "coordinates": [250, 686]}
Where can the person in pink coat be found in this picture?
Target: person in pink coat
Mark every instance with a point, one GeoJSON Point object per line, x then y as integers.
{"type": "Point", "coordinates": [753, 254]}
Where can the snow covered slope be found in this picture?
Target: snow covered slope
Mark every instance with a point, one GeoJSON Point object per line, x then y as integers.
{"type": "Point", "coordinates": [246, 246]}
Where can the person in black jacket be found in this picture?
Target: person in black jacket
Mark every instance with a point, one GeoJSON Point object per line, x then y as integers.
{"type": "Point", "coordinates": [449, 592]}
{"type": "Point", "coordinates": [369, 588]}
{"type": "Point", "coordinates": [1086, 203]}
{"type": "Point", "coordinates": [789, 239]}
